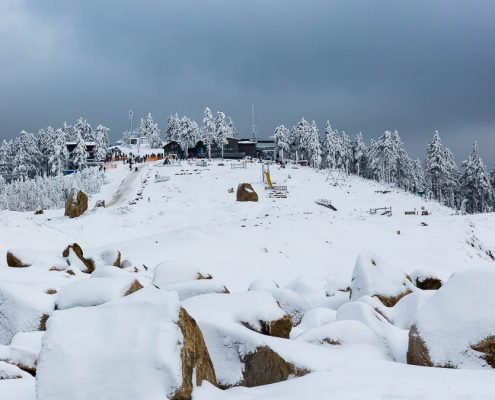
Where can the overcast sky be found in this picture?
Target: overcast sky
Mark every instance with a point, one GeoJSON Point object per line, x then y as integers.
{"type": "Point", "coordinates": [368, 66]}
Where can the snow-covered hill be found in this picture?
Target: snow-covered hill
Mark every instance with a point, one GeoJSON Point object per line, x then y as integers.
{"type": "Point", "coordinates": [193, 220]}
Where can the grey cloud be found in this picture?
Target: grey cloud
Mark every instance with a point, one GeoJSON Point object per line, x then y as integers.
{"type": "Point", "coordinates": [366, 66]}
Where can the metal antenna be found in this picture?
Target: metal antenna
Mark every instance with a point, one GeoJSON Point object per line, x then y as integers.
{"type": "Point", "coordinates": [130, 120]}
{"type": "Point", "coordinates": [254, 126]}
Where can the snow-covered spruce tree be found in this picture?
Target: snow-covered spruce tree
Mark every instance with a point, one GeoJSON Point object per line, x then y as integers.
{"type": "Point", "coordinates": [383, 156]}
{"type": "Point", "coordinates": [101, 142]}
{"type": "Point", "coordinates": [331, 147]}
{"type": "Point", "coordinates": [450, 187]}
{"type": "Point", "coordinates": [476, 188]}
{"type": "Point", "coordinates": [231, 125]}
{"type": "Point", "coordinates": [301, 133]}
{"type": "Point", "coordinates": [208, 130]}
{"type": "Point", "coordinates": [281, 137]}
{"type": "Point", "coordinates": [188, 134]}
{"type": "Point", "coordinates": [6, 159]}
{"type": "Point", "coordinates": [26, 156]}
{"type": "Point", "coordinates": [442, 174]}
{"type": "Point", "coordinates": [149, 128]}
{"type": "Point", "coordinates": [46, 140]}
{"type": "Point", "coordinates": [79, 154]}
{"type": "Point", "coordinates": [346, 156]}
{"type": "Point", "coordinates": [60, 155]}
{"type": "Point", "coordinates": [83, 128]}
{"type": "Point", "coordinates": [418, 177]}
{"type": "Point", "coordinates": [173, 129]}
{"type": "Point", "coordinates": [69, 132]}
{"type": "Point", "coordinates": [435, 165]}
{"type": "Point", "coordinates": [360, 156]}
{"type": "Point", "coordinates": [314, 147]}
{"type": "Point", "coordinates": [222, 130]}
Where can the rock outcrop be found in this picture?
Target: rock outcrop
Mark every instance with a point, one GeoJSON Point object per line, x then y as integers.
{"type": "Point", "coordinates": [455, 328]}
{"type": "Point", "coordinates": [245, 192]}
{"type": "Point", "coordinates": [373, 277]}
{"type": "Point", "coordinates": [76, 204]}
{"type": "Point", "coordinates": [74, 252]}
{"type": "Point", "coordinates": [144, 338]}
{"type": "Point", "coordinates": [15, 261]}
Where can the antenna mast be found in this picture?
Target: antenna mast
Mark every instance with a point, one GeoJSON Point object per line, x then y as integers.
{"type": "Point", "coordinates": [253, 125]}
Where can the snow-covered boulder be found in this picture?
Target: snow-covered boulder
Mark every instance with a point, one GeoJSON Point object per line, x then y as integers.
{"type": "Point", "coordinates": [96, 291]}
{"type": "Point", "coordinates": [245, 192]}
{"type": "Point", "coordinates": [108, 257]}
{"type": "Point", "coordinates": [75, 256]}
{"type": "Point", "coordinates": [373, 277]}
{"type": "Point", "coordinates": [232, 325]}
{"type": "Point", "coordinates": [22, 310]}
{"type": "Point", "coordinates": [312, 290]}
{"type": "Point", "coordinates": [20, 357]}
{"type": "Point", "coordinates": [314, 318]}
{"type": "Point", "coordinates": [263, 284]}
{"type": "Point", "coordinates": [456, 326]}
{"type": "Point", "coordinates": [291, 302]}
{"type": "Point", "coordinates": [22, 258]}
{"type": "Point", "coordinates": [393, 338]}
{"type": "Point", "coordinates": [175, 271]}
{"type": "Point", "coordinates": [255, 310]}
{"type": "Point", "coordinates": [426, 280]}
{"type": "Point", "coordinates": [197, 287]}
{"type": "Point", "coordinates": [76, 204]}
{"type": "Point", "coordinates": [345, 333]}
{"type": "Point", "coordinates": [143, 346]}
{"type": "Point", "coordinates": [335, 286]}
{"type": "Point", "coordinates": [9, 371]}
{"type": "Point", "coordinates": [110, 271]}
{"type": "Point", "coordinates": [15, 261]}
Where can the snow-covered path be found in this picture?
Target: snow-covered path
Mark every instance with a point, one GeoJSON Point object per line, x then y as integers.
{"type": "Point", "coordinates": [123, 192]}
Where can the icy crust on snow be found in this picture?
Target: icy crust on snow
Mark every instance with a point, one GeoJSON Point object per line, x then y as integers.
{"type": "Point", "coordinates": [459, 315]}
{"type": "Point", "coordinates": [373, 276]}
{"type": "Point", "coordinates": [21, 310]}
{"type": "Point", "coordinates": [127, 349]}
{"type": "Point", "coordinates": [93, 292]}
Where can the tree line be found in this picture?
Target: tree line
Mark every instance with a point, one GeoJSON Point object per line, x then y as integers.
{"type": "Point", "coordinates": [214, 130]}
{"type": "Point", "coordinates": [471, 190]}
{"type": "Point", "coordinates": [45, 153]}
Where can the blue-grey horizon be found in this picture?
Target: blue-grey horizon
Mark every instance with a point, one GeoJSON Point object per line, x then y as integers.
{"type": "Point", "coordinates": [415, 67]}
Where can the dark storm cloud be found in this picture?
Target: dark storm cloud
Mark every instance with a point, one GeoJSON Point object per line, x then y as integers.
{"type": "Point", "coordinates": [365, 65]}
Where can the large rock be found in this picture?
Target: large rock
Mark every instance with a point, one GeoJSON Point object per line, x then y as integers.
{"type": "Point", "coordinates": [456, 327]}
{"type": "Point", "coordinates": [143, 346]}
{"type": "Point", "coordinates": [177, 271]}
{"type": "Point", "coordinates": [76, 204]}
{"type": "Point", "coordinates": [240, 338]}
{"type": "Point", "coordinates": [22, 309]}
{"type": "Point", "coordinates": [245, 192]}
{"type": "Point", "coordinates": [96, 291]}
{"type": "Point", "coordinates": [373, 277]}
{"type": "Point", "coordinates": [426, 280]}
{"type": "Point", "coordinates": [15, 261]}
{"type": "Point", "coordinates": [75, 256]}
